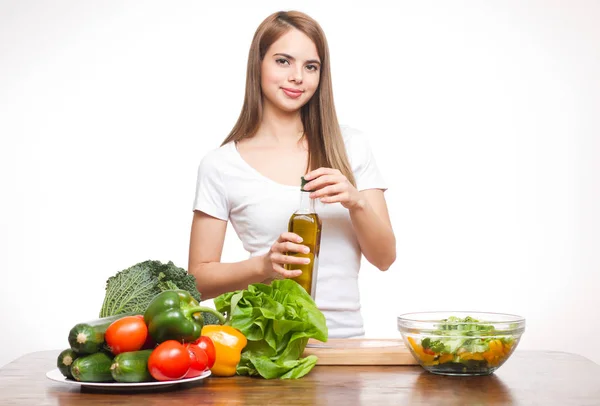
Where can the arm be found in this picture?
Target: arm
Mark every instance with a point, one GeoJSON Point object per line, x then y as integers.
{"type": "Point", "coordinates": [368, 212]}
{"type": "Point", "coordinates": [373, 229]}
{"type": "Point", "coordinates": [206, 246]}
{"type": "Point", "coordinates": [214, 278]}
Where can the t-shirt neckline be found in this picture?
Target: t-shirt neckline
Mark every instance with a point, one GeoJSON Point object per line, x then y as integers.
{"type": "Point", "coordinates": [259, 175]}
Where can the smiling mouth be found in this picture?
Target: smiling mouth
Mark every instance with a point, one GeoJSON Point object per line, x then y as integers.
{"type": "Point", "coordinates": [293, 93]}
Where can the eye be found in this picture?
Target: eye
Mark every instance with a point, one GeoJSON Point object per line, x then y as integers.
{"type": "Point", "coordinates": [313, 68]}
{"type": "Point", "coordinates": [282, 61]}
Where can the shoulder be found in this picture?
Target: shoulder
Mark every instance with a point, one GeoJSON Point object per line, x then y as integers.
{"type": "Point", "coordinates": [216, 163]}
{"type": "Point", "coordinates": [350, 134]}
{"type": "Point", "coordinates": [362, 159]}
{"type": "Point", "coordinates": [356, 142]}
{"type": "Point", "coordinates": [217, 156]}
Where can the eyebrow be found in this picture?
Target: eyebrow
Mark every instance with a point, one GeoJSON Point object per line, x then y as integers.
{"type": "Point", "coordinates": [292, 58]}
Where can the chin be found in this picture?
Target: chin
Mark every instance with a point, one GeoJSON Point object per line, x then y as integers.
{"type": "Point", "coordinates": [291, 105]}
{"type": "Point", "coordinates": [288, 109]}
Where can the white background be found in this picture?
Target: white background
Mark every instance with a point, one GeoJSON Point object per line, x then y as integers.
{"type": "Point", "coordinates": [483, 117]}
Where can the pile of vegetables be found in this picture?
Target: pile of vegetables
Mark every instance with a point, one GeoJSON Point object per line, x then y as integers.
{"type": "Point", "coordinates": [463, 345]}
{"type": "Point", "coordinates": [164, 343]}
{"type": "Point", "coordinates": [152, 328]}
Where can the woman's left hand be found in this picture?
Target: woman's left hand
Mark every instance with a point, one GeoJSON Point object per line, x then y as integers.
{"type": "Point", "coordinates": [331, 186]}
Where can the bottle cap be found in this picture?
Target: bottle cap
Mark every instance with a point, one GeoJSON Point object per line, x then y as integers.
{"type": "Point", "coordinates": [302, 183]}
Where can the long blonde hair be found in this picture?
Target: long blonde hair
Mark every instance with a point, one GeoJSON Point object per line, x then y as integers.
{"type": "Point", "coordinates": [321, 128]}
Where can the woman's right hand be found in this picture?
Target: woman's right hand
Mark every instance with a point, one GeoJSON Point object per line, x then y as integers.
{"type": "Point", "coordinates": [276, 258]}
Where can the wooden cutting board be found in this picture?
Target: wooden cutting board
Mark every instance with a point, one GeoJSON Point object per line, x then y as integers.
{"type": "Point", "coordinates": [360, 351]}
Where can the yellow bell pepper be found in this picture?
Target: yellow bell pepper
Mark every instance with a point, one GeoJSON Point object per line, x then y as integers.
{"type": "Point", "coordinates": [427, 359]}
{"type": "Point", "coordinates": [446, 358]}
{"type": "Point", "coordinates": [229, 343]}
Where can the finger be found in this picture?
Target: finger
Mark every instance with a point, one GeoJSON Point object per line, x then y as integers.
{"type": "Point", "coordinates": [287, 236]}
{"type": "Point", "coordinates": [290, 247]}
{"type": "Point", "coordinates": [331, 190]}
{"type": "Point", "coordinates": [337, 198]}
{"type": "Point", "coordinates": [288, 259]}
{"type": "Point", "coordinates": [324, 180]}
{"type": "Point", "coordinates": [285, 273]}
{"type": "Point", "coordinates": [319, 172]}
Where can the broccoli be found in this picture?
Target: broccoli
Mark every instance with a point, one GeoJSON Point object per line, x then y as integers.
{"type": "Point", "coordinates": [131, 290]}
{"type": "Point", "coordinates": [211, 318]}
{"type": "Point", "coordinates": [171, 277]}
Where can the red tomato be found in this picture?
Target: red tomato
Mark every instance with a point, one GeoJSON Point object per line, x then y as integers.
{"type": "Point", "coordinates": [126, 334]}
{"type": "Point", "coordinates": [198, 360]}
{"type": "Point", "coordinates": [428, 351]}
{"type": "Point", "coordinates": [150, 343]}
{"type": "Point", "coordinates": [169, 361]}
{"type": "Point", "coordinates": [208, 346]}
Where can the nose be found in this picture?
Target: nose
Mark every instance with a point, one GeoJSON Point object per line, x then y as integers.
{"type": "Point", "coordinates": [296, 76]}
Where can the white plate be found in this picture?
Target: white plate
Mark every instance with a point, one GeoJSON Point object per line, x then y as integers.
{"type": "Point", "coordinates": [55, 375]}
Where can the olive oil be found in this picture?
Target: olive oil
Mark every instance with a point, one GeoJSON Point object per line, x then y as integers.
{"type": "Point", "coordinates": [306, 223]}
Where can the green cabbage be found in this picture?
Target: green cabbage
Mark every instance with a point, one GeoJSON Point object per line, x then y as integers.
{"type": "Point", "coordinates": [131, 290]}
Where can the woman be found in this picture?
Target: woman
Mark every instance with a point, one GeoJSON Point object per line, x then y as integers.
{"type": "Point", "coordinates": [288, 128]}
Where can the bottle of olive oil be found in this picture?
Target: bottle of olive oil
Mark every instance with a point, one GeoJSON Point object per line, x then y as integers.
{"type": "Point", "coordinates": [306, 223]}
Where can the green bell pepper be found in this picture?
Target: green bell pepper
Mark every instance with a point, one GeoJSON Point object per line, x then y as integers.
{"type": "Point", "coordinates": [174, 315]}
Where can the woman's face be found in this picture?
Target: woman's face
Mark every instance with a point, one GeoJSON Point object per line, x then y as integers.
{"type": "Point", "coordinates": [290, 71]}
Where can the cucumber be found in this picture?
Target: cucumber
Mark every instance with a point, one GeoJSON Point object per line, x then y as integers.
{"type": "Point", "coordinates": [93, 368]}
{"type": "Point", "coordinates": [88, 337]}
{"type": "Point", "coordinates": [131, 367]}
{"type": "Point", "coordinates": [64, 362]}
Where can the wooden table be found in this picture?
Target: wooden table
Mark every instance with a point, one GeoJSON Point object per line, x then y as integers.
{"type": "Point", "coordinates": [527, 378]}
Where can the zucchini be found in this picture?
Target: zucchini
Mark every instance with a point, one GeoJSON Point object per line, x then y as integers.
{"type": "Point", "coordinates": [88, 337]}
{"type": "Point", "coordinates": [64, 362]}
{"type": "Point", "coordinates": [93, 368]}
{"type": "Point", "coordinates": [131, 367]}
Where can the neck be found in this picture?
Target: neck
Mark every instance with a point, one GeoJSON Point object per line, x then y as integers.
{"type": "Point", "coordinates": [280, 125]}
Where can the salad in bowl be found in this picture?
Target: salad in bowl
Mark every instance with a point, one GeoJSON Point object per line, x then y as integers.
{"type": "Point", "coordinates": [461, 343]}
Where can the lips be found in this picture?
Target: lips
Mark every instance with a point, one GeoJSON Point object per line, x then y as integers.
{"type": "Point", "coordinates": [293, 93]}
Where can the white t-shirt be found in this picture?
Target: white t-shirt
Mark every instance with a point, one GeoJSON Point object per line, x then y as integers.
{"type": "Point", "coordinates": [259, 208]}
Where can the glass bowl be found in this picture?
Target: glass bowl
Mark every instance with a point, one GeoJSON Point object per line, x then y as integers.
{"type": "Point", "coordinates": [461, 343]}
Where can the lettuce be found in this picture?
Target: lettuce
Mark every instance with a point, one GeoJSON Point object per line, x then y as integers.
{"type": "Point", "coordinates": [277, 319]}
{"type": "Point", "coordinates": [455, 333]}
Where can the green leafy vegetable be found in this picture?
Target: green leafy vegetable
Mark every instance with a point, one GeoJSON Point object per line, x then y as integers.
{"type": "Point", "coordinates": [455, 333]}
{"type": "Point", "coordinates": [131, 290]}
{"type": "Point", "coordinates": [435, 346]}
{"type": "Point", "coordinates": [277, 320]}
